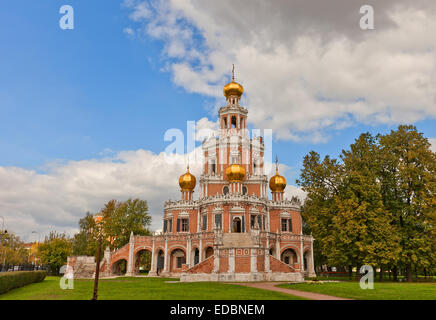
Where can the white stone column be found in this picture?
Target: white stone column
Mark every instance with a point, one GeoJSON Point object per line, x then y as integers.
{"type": "Point", "coordinates": [153, 260]}
{"type": "Point", "coordinates": [278, 246]}
{"type": "Point", "coordinates": [107, 258]}
{"type": "Point", "coordinates": [188, 254]}
{"type": "Point", "coordinates": [301, 254]}
{"type": "Point", "coordinates": [131, 262]}
{"type": "Point", "coordinates": [166, 255]}
{"type": "Point", "coordinates": [200, 250]}
{"type": "Point", "coordinates": [216, 261]}
{"type": "Point", "coordinates": [312, 267]}
{"type": "Point", "coordinates": [253, 260]}
{"type": "Point", "coordinates": [267, 239]}
{"type": "Point", "coordinates": [267, 264]}
{"type": "Point", "coordinates": [232, 260]}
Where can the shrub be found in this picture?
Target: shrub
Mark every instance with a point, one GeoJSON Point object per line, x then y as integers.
{"type": "Point", "coordinates": [12, 280]}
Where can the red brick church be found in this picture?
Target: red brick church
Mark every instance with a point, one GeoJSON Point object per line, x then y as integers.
{"type": "Point", "coordinates": [233, 231]}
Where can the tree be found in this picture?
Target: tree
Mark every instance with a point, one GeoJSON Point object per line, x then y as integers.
{"type": "Point", "coordinates": [83, 243]}
{"type": "Point", "coordinates": [55, 250]}
{"type": "Point", "coordinates": [122, 218]}
{"type": "Point", "coordinates": [377, 205]}
{"type": "Point", "coordinates": [409, 191]}
{"type": "Point", "coordinates": [321, 181]}
{"type": "Point", "coordinates": [119, 219]}
{"type": "Point", "coordinates": [12, 250]}
{"type": "Point", "coordinates": [344, 207]}
{"type": "Point", "coordinates": [364, 224]}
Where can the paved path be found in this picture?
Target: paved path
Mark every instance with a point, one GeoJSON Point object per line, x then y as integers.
{"type": "Point", "coordinates": [304, 294]}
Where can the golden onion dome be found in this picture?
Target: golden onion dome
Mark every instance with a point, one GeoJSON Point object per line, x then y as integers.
{"type": "Point", "coordinates": [235, 173]}
{"type": "Point", "coordinates": [187, 181]}
{"type": "Point", "coordinates": [277, 183]}
{"type": "Point", "coordinates": [233, 89]}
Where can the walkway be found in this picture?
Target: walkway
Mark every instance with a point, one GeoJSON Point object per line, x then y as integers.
{"type": "Point", "coordinates": [304, 294]}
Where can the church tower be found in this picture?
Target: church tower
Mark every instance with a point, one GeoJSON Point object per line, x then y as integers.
{"type": "Point", "coordinates": [233, 160]}
{"type": "Point", "coordinates": [232, 231]}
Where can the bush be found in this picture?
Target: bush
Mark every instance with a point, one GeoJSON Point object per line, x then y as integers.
{"type": "Point", "coordinates": [12, 280]}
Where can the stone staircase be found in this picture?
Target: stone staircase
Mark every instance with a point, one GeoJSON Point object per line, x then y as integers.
{"type": "Point", "coordinates": [237, 240]}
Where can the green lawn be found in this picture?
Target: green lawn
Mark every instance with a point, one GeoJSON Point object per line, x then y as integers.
{"type": "Point", "coordinates": [141, 289]}
{"type": "Point", "coordinates": [381, 291]}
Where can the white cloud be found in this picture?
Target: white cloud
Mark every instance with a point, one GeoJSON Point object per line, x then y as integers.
{"type": "Point", "coordinates": [306, 66]}
{"type": "Point", "coordinates": [433, 144]}
{"type": "Point", "coordinates": [129, 31]}
{"type": "Point", "coordinates": [56, 200]}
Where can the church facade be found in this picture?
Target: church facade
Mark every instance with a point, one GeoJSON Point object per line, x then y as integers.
{"type": "Point", "coordinates": [233, 231]}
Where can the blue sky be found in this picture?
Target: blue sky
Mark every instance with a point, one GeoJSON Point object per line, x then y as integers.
{"type": "Point", "coordinates": [70, 94]}
{"type": "Point", "coordinates": [92, 92]}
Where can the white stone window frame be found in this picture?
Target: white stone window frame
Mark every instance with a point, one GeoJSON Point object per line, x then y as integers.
{"type": "Point", "coordinates": [285, 215]}
{"type": "Point", "coordinates": [214, 213]}
{"type": "Point", "coordinates": [183, 215]}
{"type": "Point", "coordinates": [234, 213]}
{"type": "Point", "coordinates": [169, 216]}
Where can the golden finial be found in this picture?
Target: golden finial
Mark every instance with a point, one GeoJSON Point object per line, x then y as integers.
{"type": "Point", "coordinates": [233, 88]}
{"type": "Point", "coordinates": [277, 183]}
{"type": "Point", "coordinates": [277, 164]}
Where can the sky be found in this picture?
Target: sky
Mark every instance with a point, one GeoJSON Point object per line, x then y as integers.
{"type": "Point", "coordinates": [84, 112]}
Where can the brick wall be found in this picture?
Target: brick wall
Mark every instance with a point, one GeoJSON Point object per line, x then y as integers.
{"type": "Point", "coordinates": [203, 267]}
{"type": "Point", "coordinates": [242, 264]}
{"type": "Point", "coordinates": [279, 266]}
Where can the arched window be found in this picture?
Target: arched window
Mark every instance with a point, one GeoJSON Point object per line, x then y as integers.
{"type": "Point", "coordinates": [225, 190]}
{"type": "Point", "coordinates": [218, 221]}
{"type": "Point", "coordinates": [289, 257]}
{"type": "Point", "coordinates": [212, 167]}
{"type": "Point", "coordinates": [196, 256]}
{"type": "Point", "coordinates": [233, 122]}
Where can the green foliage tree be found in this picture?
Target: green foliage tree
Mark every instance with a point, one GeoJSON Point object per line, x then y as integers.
{"type": "Point", "coordinates": [363, 225]}
{"type": "Point", "coordinates": [12, 251]}
{"type": "Point", "coordinates": [321, 181]}
{"type": "Point", "coordinates": [120, 218]}
{"type": "Point", "coordinates": [377, 205]}
{"type": "Point", "coordinates": [55, 250]}
{"type": "Point", "coordinates": [83, 243]}
{"type": "Point", "coordinates": [409, 191]}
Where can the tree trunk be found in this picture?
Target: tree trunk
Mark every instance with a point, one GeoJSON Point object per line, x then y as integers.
{"type": "Point", "coordinates": [409, 273]}
{"type": "Point", "coordinates": [395, 273]}
{"type": "Point", "coordinates": [350, 272]}
{"type": "Point", "coordinates": [358, 271]}
{"type": "Point", "coordinates": [381, 273]}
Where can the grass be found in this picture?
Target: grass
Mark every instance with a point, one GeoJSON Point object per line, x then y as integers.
{"type": "Point", "coordinates": [381, 291]}
{"type": "Point", "coordinates": [376, 278]}
{"type": "Point", "coordinates": [138, 288]}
